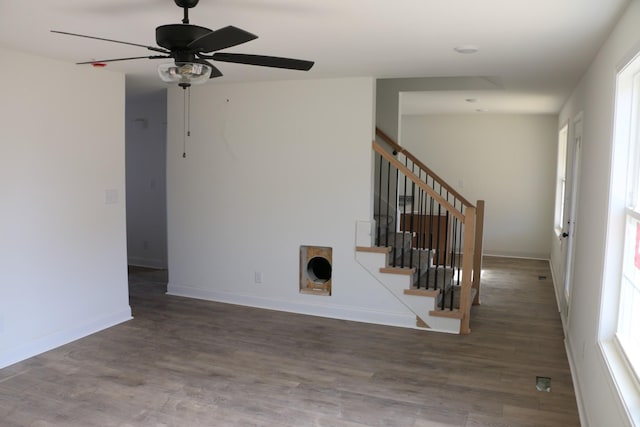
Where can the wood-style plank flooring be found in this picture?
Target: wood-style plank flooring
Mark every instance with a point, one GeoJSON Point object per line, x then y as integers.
{"type": "Point", "coordinates": [184, 362]}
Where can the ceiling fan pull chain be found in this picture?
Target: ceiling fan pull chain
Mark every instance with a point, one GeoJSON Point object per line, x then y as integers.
{"type": "Point", "coordinates": [184, 124]}
{"type": "Point", "coordinates": [189, 111]}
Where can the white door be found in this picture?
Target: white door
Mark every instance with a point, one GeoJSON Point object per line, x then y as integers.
{"type": "Point", "coordinates": [571, 202]}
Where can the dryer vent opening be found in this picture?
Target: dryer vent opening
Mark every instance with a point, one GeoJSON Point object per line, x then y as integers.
{"type": "Point", "coordinates": [316, 270]}
{"type": "Point", "coordinates": [319, 270]}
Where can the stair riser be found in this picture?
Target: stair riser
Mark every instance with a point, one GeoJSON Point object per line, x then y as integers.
{"type": "Point", "coordinates": [412, 259]}
{"type": "Point", "coordinates": [396, 240]}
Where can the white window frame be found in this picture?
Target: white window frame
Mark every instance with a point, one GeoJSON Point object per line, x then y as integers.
{"type": "Point", "coordinates": [621, 357]}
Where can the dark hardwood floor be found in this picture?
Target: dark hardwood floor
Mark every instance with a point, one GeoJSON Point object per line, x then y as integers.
{"type": "Point", "coordinates": [184, 362]}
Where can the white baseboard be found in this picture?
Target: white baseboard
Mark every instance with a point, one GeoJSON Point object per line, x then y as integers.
{"type": "Point", "coordinates": [147, 262]}
{"type": "Point", "coordinates": [584, 418]}
{"type": "Point", "coordinates": [333, 311]}
{"type": "Point", "coordinates": [14, 355]}
{"type": "Point", "coordinates": [538, 257]}
{"type": "Point", "coordinates": [557, 293]}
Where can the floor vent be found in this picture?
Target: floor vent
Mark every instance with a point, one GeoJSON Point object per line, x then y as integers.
{"type": "Point", "coordinates": [543, 384]}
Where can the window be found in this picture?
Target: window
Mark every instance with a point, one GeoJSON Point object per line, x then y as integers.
{"type": "Point", "coordinates": [623, 254]}
{"type": "Point", "coordinates": [628, 330]}
{"type": "Point", "coordinates": [628, 325]}
{"type": "Point", "coordinates": [561, 179]}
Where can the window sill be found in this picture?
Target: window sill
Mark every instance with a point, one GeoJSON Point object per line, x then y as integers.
{"type": "Point", "coordinates": [623, 378]}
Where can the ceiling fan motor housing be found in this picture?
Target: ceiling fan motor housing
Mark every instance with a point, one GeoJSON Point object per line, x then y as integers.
{"type": "Point", "coordinates": [187, 3]}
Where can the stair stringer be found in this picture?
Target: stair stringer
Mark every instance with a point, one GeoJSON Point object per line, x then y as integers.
{"type": "Point", "coordinates": [420, 305]}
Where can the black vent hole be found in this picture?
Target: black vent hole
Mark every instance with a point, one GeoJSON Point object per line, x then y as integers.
{"type": "Point", "coordinates": [319, 270]}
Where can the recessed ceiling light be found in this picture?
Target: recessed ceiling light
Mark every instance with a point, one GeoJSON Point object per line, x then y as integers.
{"type": "Point", "coordinates": [466, 48]}
{"type": "Point", "coordinates": [481, 110]}
{"type": "Point", "coordinates": [471, 100]}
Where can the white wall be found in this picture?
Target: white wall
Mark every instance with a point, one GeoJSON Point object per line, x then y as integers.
{"type": "Point", "coordinates": [388, 95]}
{"type": "Point", "coordinates": [595, 96]}
{"type": "Point", "coordinates": [269, 167]}
{"type": "Point", "coordinates": [146, 153]}
{"type": "Point", "coordinates": [507, 160]}
{"type": "Point", "coordinates": [63, 268]}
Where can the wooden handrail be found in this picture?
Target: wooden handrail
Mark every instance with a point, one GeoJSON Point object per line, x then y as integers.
{"type": "Point", "coordinates": [423, 185]}
{"type": "Point", "coordinates": [386, 138]}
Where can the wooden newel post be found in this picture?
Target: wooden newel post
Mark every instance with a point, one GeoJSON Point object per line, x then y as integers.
{"type": "Point", "coordinates": [467, 267]}
{"type": "Point", "coordinates": [477, 253]}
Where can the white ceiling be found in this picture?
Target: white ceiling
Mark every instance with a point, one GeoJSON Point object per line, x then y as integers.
{"type": "Point", "coordinates": [537, 49]}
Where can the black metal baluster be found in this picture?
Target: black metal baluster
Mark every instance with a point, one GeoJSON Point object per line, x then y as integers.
{"type": "Point", "coordinates": [443, 251]}
{"type": "Point", "coordinates": [422, 245]}
{"type": "Point", "coordinates": [454, 247]}
{"type": "Point", "coordinates": [386, 236]}
{"type": "Point", "coordinates": [395, 221]}
{"type": "Point", "coordinates": [459, 263]}
{"type": "Point", "coordinates": [403, 219]}
{"type": "Point", "coordinates": [424, 230]}
{"type": "Point", "coordinates": [414, 238]}
{"type": "Point", "coordinates": [412, 223]}
{"type": "Point", "coordinates": [420, 237]}
{"type": "Point", "coordinates": [379, 225]}
{"type": "Point", "coordinates": [438, 251]}
{"type": "Point", "coordinates": [431, 233]}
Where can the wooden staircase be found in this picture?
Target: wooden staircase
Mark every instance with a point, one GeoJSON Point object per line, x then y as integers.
{"type": "Point", "coordinates": [433, 270]}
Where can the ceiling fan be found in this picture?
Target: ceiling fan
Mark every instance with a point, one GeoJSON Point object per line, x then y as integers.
{"type": "Point", "coordinates": [190, 47]}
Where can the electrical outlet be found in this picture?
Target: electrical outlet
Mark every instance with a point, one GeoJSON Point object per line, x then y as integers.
{"type": "Point", "coordinates": [258, 277]}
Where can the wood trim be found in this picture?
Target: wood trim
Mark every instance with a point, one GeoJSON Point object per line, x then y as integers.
{"type": "Point", "coordinates": [450, 314]}
{"type": "Point", "coordinates": [315, 291]}
{"type": "Point", "coordinates": [477, 252]}
{"type": "Point", "coordinates": [421, 323]}
{"type": "Point", "coordinates": [397, 147]}
{"type": "Point", "coordinates": [433, 293]}
{"type": "Point", "coordinates": [374, 249]}
{"type": "Point", "coordinates": [413, 177]}
{"type": "Point", "coordinates": [398, 270]}
{"type": "Point", "coordinates": [386, 138]}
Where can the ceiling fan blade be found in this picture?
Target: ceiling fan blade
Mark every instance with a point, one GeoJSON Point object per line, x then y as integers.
{"type": "Point", "coordinates": [123, 59]}
{"type": "Point", "coordinates": [264, 61]}
{"type": "Point", "coordinates": [153, 48]}
{"type": "Point", "coordinates": [221, 39]}
{"type": "Point", "coordinates": [214, 70]}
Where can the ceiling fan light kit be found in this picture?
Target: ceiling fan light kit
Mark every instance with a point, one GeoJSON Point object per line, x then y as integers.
{"type": "Point", "coordinates": [188, 46]}
{"type": "Point", "coordinates": [184, 74]}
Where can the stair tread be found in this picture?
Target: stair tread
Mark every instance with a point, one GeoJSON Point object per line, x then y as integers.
{"type": "Point", "coordinates": [422, 292]}
{"type": "Point", "coordinates": [454, 314]}
{"type": "Point", "coordinates": [398, 270]}
{"type": "Point", "coordinates": [375, 249]}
